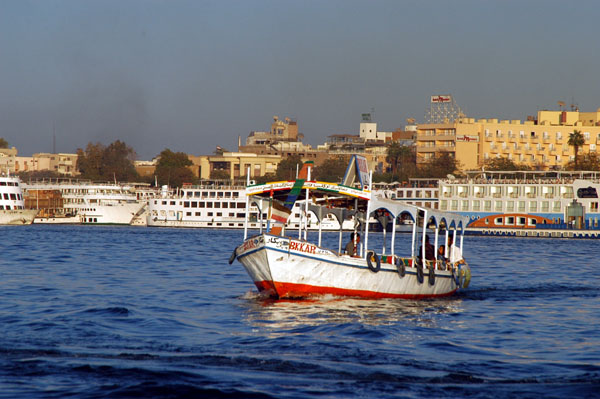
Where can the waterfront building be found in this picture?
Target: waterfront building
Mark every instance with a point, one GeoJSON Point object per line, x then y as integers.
{"type": "Point", "coordinates": [540, 141]}
{"type": "Point", "coordinates": [282, 140]}
{"type": "Point", "coordinates": [235, 164]}
{"type": "Point", "coordinates": [63, 163]}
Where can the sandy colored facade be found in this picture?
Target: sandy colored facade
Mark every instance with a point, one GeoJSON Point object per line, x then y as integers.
{"type": "Point", "coordinates": [539, 142]}
{"type": "Point", "coordinates": [234, 163]}
{"type": "Point", "coordinates": [63, 163]}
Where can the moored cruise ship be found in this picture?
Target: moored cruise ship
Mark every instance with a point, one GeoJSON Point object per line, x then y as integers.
{"type": "Point", "coordinates": [12, 205]}
{"type": "Point", "coordinates": [524, 199]}
{"type": "Point", "coordinates": [219, 205]}
{"type": "Point", "coordinates": [85, 202]}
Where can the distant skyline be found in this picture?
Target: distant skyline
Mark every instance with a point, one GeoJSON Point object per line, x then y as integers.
{"type": "Point", "coordinates": [191, 75]}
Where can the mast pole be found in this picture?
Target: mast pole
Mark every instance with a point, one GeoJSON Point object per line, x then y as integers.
{"type": "Point", "coordinates": [368, 212]}
{"type": "Point", "coordinates": [247, 207]}
{"type": "Point", "coordinates": [423, 237]}
{"type": "Point", "coordinates": [393, 234]}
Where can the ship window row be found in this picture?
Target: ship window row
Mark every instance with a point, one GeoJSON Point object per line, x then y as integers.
{"type": "Point", "coordinates": [203, 204]}
{"type": "Point", "coordinates": [417, 194]}
{"type": "Point", "coordinates": [13, 196]}
{"type": "Point", "coordinates": [501, 206]}
{"type": "Point", "coordinates": [513, 221]}
{"type": "Point", "coordinates": [9, 183]}
{"type": "Point", "coordinates": [8, 207]}
{"type": "Point", "coordinates": [212, 194]}
{"type": "Point", "coordinates": [508, 191]}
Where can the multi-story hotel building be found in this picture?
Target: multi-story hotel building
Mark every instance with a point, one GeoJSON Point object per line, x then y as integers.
{"type": "Point", "coordinates": [542, 141]}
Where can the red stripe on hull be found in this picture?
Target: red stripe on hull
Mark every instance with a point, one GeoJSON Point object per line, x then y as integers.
{"type": "Point", "coordinates": [291, 290]}
{"type": "Point", "coordinates": [266, 287]}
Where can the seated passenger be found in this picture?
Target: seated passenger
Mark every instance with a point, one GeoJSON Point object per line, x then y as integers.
{"type": "Point", "coordinates": [429, 250]}
{"type": "Point", "coordinates": [456, 256]}
{"type": "Point", "coordinates": [351, 247]}
{"type": "Point", "coordinates": [441, 258]}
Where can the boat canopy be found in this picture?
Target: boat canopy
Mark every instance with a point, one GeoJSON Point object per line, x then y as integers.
{"type": "Point", "coordinates": [344, 202]}
{"type": "Point", "coordinates": [397, 208]}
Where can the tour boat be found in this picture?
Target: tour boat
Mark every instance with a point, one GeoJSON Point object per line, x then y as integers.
{"type": "Point", "coordinates": [12, 205]}
{"type": "Point", "coordinates": [218, 205]}
{"type": "Point", "coordinates": [285, 267]}
{"type": "Point", "coordinates": [84, 202]}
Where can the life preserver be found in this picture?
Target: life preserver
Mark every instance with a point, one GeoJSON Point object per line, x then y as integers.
{"type": "Point", "coordinates": [431, 275]}
{"type": "Point", "coordinates": [233, 256]}
{"type": "Point", "coordinates": [400, 266]}
{"type": "Point", "coordinates": [464, 276]}
{"type": "Point", "coordinates": [372, 254]}
{"type": "Point", "coordinates": [419, 266]}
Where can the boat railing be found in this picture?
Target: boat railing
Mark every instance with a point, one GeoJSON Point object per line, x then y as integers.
{"type": "Point", "coordinates": [412, 262]}
{"type": "Point", "coordinates": [541, 180]}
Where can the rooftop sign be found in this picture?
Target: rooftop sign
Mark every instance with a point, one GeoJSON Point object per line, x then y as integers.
{"type": "Point", "coordinates": [441, 99]}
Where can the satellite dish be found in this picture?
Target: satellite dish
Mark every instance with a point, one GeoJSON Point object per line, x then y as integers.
{"type": "Point", "coordinates": [450, 176]}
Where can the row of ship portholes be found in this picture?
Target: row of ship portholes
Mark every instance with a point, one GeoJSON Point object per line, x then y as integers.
{"type": "Point", "coordinates": [90, 220]}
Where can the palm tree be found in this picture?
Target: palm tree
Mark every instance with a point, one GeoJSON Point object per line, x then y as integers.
{"type": "Point", "coordinates": [394, 152]}
{"type": "Point", "coordinates": [398, 156]}
{"type": "Point", "coordinates": [576, 140]}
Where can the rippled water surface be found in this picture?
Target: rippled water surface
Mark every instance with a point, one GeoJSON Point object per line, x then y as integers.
{"type": "Point", "coordinates": [98, 312]}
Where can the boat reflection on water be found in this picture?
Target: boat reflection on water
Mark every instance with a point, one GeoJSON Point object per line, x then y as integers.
{"type": "Point", "coordinates": [328, 309]}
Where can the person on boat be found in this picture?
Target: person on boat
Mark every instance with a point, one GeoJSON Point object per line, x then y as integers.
{"type": "Point", "coordinates": [455, 253]}
{"type": "Point", "coordinates": [429, 250]}
{"type": "Point", "coordinates": [441, 258]}
{"type": "Point", "coordinates": [351, 247]}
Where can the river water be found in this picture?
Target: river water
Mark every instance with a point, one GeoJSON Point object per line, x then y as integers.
{"type": "Point", "coordinates": [104, 312]}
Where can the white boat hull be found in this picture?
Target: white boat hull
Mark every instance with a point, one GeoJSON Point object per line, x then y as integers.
{"type": "Point", "coordinates": [286, 268]}
{"type": "Point", "coordinates": [57, 220]}
{"type": "Point", "coordinates": [17, 216]}
{"type": "Point", "coordinates": [110, 214]}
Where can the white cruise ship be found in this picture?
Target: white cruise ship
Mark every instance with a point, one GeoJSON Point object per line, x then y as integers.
{"type": "Point", "coordinates": [89, 203]}
{"type": "Point", "coordinates": [220, 206]}
{"type": "Point", "coordinates": [524, 199]}
{"type": "Point", "coordinates": [12, 205]}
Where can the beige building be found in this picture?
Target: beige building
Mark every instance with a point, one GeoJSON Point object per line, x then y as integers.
{"type": "Point", "coordinates": [235, 164]}
{"type": "Point", "coordinates": [542, 141]}
{"type": "Point", "coordinates": [281, 130]}
{"type": "Point", "coordinates": [65, 164]}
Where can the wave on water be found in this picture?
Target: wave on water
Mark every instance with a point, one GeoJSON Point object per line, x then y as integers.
{"type": "Point", "coordinates": [113, 311]}
{"type": "Point", "coordinates": [546, 290]}
{"type": "Point", "coordinates": [180, 375]}
{"type": "Point", "coordinates": [104, 312]}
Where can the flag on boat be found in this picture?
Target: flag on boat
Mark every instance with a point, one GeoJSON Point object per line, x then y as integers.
{"type": "Point", "coordinates": [292, 196]}
{"type": "Point", "coordinates": [279, 212]}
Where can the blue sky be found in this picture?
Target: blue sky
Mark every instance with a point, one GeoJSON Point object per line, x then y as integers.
{"type": "Point", "coordinates": [191, 75]}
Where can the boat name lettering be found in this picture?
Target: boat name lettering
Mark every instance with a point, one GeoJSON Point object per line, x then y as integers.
{"type": "Point", "coordinates": [589, 192]}
{"type": "Point", "coordinates": [279, 242]}
{"type": "Point", "coordinates": [250, 244]}
{"type": "Point", "coordinates": [302, 247]}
